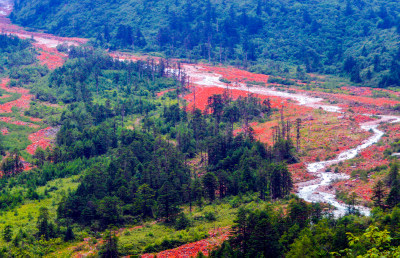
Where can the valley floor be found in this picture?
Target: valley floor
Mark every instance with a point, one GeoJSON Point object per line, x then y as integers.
{"type": "Point", "coordinates": [324, 135]}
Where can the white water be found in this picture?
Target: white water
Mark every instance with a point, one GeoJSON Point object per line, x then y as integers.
{"type": "Point", "coordinates": [309, 190]}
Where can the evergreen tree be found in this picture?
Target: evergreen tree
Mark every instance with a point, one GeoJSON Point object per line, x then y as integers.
{"type": "Point", "coordinates": [7, 233]}
{"type": "Point", "coordinates": [210, 184]}
{"type": "Point", "coordinates": [39, 156]}
{"type": "Point", "coordinates": [378, 194]}
{"type": "Point", "coordinates": [145, 198]}
{"type": "Point", "coordinates": [43, 224]}
{"type": "Point", "coordinates": [394, 195]}
{"type": "Point", "coordinates": [69, 234]}
{"type": "Point", "coordinates": [393, 174]}
{"type": "Point", "coordinates": [167, 201]}
{"type": "Point", "coordinates": [110, 248]}
{"type": "Point", "coordinates": [197, 191]}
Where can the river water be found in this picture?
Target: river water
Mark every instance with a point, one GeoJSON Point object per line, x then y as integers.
{"type": "Point", "coordinates": [309, 190]}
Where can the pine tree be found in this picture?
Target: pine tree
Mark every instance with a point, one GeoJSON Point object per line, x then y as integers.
{"type": "Point", "coordinates": [264, 237]}
{"type": "Point", "coordinates": [393, 174]}
{"type": "Point", "coordinates": [352, 203]}
{"type": "Point", "coordinates": [276, 183]}
{"type": "Point", "coordinates": [241, 232]}
{"type": "Point", "coordinates": [167, 201]}
{"type": "Point", "coordinates": [378, 194]}
{"type": "Point", "coordinates": [39, 156]}
{"type": "Point", "coordinates": [263, 182]}
{"type": "Point", "coordinates": [69, 234]}
{"type": "Point", "coordinates": [43, 223]}
{"type": "Point", "coordinates": [210, 184]}
{"type": "Point", "coordinates": [7, 233]}
{"type": "Point", "coordinates": [394, 195]}
{"type": "Point", "coordinates": [197, 191]}
{"type": "Point", "coordinates": [145, 196]}
{"type": "Point", "coordinates": [110, 248]}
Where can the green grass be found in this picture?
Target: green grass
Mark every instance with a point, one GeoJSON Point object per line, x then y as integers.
{"type": "Point", "coordinates": [138, 241]}
{"type": "Point", "coordinates": [17, 137]}
{"type": "Point", "coordinates": [17, 117]}
{"type": "Point", "coordinates": [133, 242]}
{"type": "Point", "coordinates": [153, 236]}
{"type": "Point", "coordinates": [14, 96]}
{"type": "Point", "coordinates": [25, 216]}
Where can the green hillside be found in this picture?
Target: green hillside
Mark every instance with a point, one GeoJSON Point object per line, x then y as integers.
{"type": "Point", "coordinates": [353, 38]}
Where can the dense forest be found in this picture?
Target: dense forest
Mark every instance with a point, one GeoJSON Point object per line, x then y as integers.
{"type": "Point", "coordinates": [134, 169]}
{"type": "Point", "coordinates": [357, 39]}
{"type": "Point", "coordinates": [146, 175]}
{"type": "Point", "coordinates": [15, 52]}
{"type": "Point", "coordinates": [130, 176]}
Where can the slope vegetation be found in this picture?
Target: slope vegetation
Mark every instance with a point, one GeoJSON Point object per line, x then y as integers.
{"type": "Point", "coordinates": [353, 38]}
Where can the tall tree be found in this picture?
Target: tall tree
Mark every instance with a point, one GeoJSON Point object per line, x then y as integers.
{"type": "Point", "coordinates": [394, 195]}
{"type": "Point", "coordinates": [110, 248]}
{"type": "Point", "coordinates": [145, 198]}
{"type": "Point", "coordinates": [210, 184]}
{"type": "Point", "coordinates": [378, 194]}
{"type": "Point", "coordinates": [7, 233]}
{"type": "Point", "coordinates": [43, 224]}
{"type": "Point", "coordinates": [393, 174]}
{"type": "Point", "coordinates": [168, 201]}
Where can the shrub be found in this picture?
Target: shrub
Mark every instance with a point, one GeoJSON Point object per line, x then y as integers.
{"type": "Point", "coordinates": [210, 216]}
{"type": "Point", "coordinates": [182, 222]}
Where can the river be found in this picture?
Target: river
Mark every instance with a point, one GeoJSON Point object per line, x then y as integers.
{"type": "Point", "coordinates": [309, 191]}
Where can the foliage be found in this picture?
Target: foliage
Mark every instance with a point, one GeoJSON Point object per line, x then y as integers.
{"type": "Point", "coordinates": [15, 52]}
{"type": "Point", "coordinates": [353, 38]}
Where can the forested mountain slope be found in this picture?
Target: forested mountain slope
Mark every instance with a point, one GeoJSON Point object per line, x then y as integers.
{"type": "Point", "coordinates": [353, 38]}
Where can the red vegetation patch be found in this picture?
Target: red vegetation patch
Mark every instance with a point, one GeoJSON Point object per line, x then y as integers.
{"type": "Point", "coordinates": [216, 238]}
{"type": "Point", "coordinates": [377, 102]}
{"type": "Point", "coordinates": [42, 138]}
{"type": "Point", "coordinates": [34, 119]}
{"type": "Point", "coordinates": [237, 75]}
{"type": "Point", "coordinates": [27, 166]}
{"type": "Point", "coordinates": [362, 119]}
{"type": "Point", "coordinates": [11, 120]}
{"type": "Point", "coordinates": [368, 92]}
{"type": "Point", "coordinates": [50, 57]}
{"type": "Point", "coordinates": [22, 102]}
{"type": "Point", "coordinates": [299, 172]}
{"type": "Point", "coordinates": [4, 130]}
{"type": "Point", "coordinates": [161, 93]}
{"type": "Point", "coordinates": [359, 91]}
{"type": "Point", "coordinates": [361, 109]}
{"type": "Point", "coordinates": [203, 93]}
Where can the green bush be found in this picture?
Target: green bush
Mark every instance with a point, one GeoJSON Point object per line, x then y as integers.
{"type": "Point", "coordinates": [182, 222]}
{"type": "Point", "coordinates": [210, 216]}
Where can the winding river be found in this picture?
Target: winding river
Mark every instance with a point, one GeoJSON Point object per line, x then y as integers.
{"type": "Point", "coordinates": [309, 190]}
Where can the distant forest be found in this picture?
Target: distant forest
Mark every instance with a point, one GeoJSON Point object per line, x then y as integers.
{"type": "Point", "coordinates": [354, 38]}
